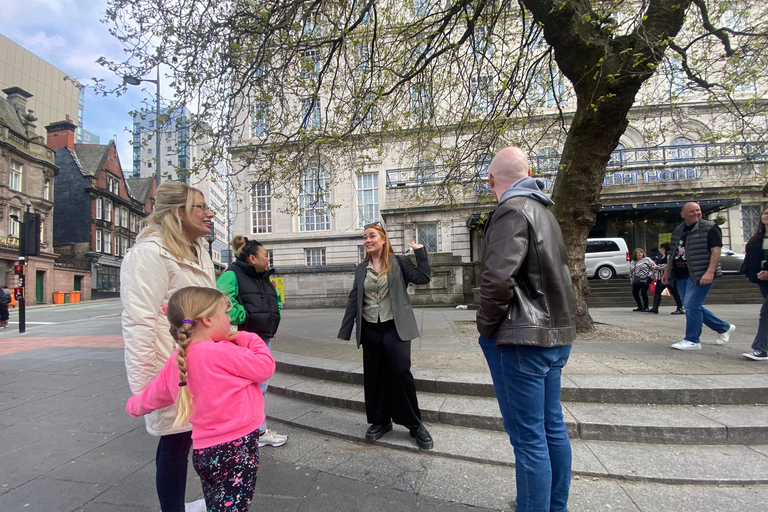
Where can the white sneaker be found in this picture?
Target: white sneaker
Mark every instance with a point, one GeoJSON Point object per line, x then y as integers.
{"type": "Point", "coordinates": [271, 439]}
{"type": "Point", "coordinates": [723, 338]}
{"type": "Point", "coordinates": [686, 345]}
{"type": "Point", "coordinates": [195, 506]}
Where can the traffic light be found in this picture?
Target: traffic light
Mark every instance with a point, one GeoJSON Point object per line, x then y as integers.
{"type": "Point", "coordinates": [20, 269]}
{"type": "Point", "coordinates": [31, 232]}
{"type": "Point", "coordinates": [18, 293]}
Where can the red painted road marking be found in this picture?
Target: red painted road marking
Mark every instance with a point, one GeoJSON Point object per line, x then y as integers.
{"type": "Point", "coordinates": [15, 345]}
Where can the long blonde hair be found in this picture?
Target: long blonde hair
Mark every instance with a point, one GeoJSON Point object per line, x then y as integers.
{"type": "Point", "coordinates": [190, 304]}
{"type": "Point", "coordinates": [385, 251]}
{"type": "Point", "coordinates": [171, 197]}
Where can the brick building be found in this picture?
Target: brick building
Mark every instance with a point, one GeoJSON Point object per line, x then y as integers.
{"type": "Point", "coordinates": [98, 214]}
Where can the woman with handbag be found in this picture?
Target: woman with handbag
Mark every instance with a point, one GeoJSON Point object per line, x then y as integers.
{"type": "Point", "coordinates": [379, 305]}
{"type": "Point", "coordinates": [756, 269]}
{"type": "Point", "coordinates": [640, 275]}
{"type": "Point", "coordinates": [660, 263]}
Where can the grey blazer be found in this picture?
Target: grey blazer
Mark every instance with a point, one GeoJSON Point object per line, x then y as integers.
{"type": "Point", "coordinates": [401, 272]}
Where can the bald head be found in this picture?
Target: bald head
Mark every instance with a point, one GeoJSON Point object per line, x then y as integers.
{"type": "Point", "coordinates": [691, 213]}
{"type": "Point", "coordinates": [509, 165]}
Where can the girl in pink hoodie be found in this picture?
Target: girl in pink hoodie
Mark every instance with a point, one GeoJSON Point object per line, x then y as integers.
{"type": "Point", "coordinates": [214, 379]}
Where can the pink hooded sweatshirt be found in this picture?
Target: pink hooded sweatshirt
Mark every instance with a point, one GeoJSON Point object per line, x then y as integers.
{"type": "Point", "coordinates": [223, 379]}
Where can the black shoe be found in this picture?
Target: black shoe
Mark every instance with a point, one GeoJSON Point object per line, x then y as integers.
{"type": "Point", "coordinates": [645, 310]}
{"type": "Point", "coordinates": [678, 312]}
{"type": "Point", "coordinates": [377, 431]}
{"type": "Point", "coordinates": [654, 311]}
{"type": "Point", "coordinates": [423, 439]}
{"type": "Point", "coordinates": [638, 310]}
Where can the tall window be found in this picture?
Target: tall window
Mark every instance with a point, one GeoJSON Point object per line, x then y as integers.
{"type": "Point", "coordinates": [14, 181]}
{"type": "Point", "coordinates": [108, 211]}
{"type": "Point", "coordinates": [481, 173]}
{"type": "Point", "coordinates": [13, 224]}
{"type": "Point", "coordinates": [47, 190]}
{"type": "Point", "coordinates": [310, 64]}
{"type": "Point", "coordinates": [421, 101]}
{"type": "Point", "coordinates": [259, 119]}
{"type": "Point", "coordinates": [420, 8]}
{"type": "Point", "coordinates": [427, 236]}
{"type": "Point", "coordinates": [481, 41]}
{"type": "Point", "coordinates": [363, 57]}
{"type": "Point", "coordinates": [481, 89]}
{"type": "Point", "coordinates": [99, 240]}
{"type": "Point", "coordinates": [99, 208]}
{"type": "Point", "coordinates": [107, 242]}
{"type": "Point", "coordinates": [367, 198]}
{"type": "Point", "coordinates": [548, 159]}
{"type": "Point", "coordinates": [750, 219]}
{"type": "Point", "coordinates": [310, 113]}
{"type": "Point", "coordinates": [315, 257]}
{"type": "Point", "coordinates": [261, 207]}
{"type": "Point", "coordinates": [124, 213]}
{"type": "Point", "coordinates": [314, 198]}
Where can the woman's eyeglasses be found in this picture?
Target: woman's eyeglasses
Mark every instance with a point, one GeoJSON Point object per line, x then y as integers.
{"type": "Point", "coordinates": [203, 207]}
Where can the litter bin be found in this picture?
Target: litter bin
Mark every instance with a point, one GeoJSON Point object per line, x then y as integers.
{"type": "Point", "coordinates": [74, 296]}
{"type": "Point", "coordinates": [58, 297]}
{"type": "Point", "coordinates": [66, 297]}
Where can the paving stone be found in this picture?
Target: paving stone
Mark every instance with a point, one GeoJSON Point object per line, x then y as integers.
{"type": "Point", "coordinates": [471, 483]}
{"type": "Point", "coordinates": [44, 494]}
{"type": "Point", "coordinates": [598, 494]}
{"type": "Point", "coordinates": [668, 498]}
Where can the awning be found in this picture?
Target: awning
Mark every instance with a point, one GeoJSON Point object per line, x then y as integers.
{"type": "Point", "coordinates": [662, 209]}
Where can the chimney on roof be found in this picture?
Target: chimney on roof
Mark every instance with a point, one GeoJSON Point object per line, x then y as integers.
{"type": "Point", "coordinates": [18, 98]}
{"type": "Point", "coordinates": [61, 134]}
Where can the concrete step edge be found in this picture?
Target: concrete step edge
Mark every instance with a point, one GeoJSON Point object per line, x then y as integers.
{"type": "Point", "coordinates": [652, 424]}
{"type": "Point", "coordinates": [493, 447]}
{"type": "Point", "coordinates": [619, 389]}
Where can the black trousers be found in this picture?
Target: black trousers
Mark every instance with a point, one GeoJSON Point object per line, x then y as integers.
{"type": "Point", "coordinates": [390, 393]}
{"type": "Point", "coordinates": [672, 291]}
{"type": "Point", "coordinates": [640, 289]}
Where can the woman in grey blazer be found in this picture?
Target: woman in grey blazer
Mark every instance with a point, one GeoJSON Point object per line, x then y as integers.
{"type": "Point", "coordinates": [381, 308]}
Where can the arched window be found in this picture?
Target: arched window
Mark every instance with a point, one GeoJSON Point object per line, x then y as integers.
{"type": "Point", "coordinates": [683, 149]}
{"type": "Point", "coordinates": [548, 159]}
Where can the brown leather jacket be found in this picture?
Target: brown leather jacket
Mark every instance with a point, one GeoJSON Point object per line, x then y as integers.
{"type": "Point", "coordinates": [526, 295]}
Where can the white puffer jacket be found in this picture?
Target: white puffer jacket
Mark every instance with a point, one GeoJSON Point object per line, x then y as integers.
{"type": "Point", "coordinates": [150, 274]}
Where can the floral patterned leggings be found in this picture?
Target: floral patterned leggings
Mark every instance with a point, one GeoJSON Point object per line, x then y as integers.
{"type": "Point", "coordinates": [228, 473]}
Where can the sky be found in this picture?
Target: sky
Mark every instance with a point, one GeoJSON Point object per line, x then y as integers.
{"type": "Point", "coordinates": [69, 35]}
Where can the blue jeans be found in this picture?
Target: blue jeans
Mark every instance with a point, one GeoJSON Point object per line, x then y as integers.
{"type": "Point", "coordinates": [527, 384]}
{"type": "Point", "coordinates": [171, 470]}
{"type": "Point", "coordinates": [693, 296]}
{"type": "Point", "coordinates": [263, 386]}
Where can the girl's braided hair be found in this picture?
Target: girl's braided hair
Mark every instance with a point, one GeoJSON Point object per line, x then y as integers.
{"type": "Point", "coordinates": [185, 308]}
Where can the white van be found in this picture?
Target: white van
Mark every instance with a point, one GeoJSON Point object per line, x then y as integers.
{"type": "Point", "coordinates": [606, 257]}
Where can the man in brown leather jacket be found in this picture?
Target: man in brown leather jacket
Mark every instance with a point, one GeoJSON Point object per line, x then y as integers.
{"type": "Point", "coordinates": [526, 325]}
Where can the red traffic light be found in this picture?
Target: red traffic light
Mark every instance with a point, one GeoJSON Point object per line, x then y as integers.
{"type": "Point", "coordinates": [19, 269]}
{"type": "Point", "coordinates": [18, 293]}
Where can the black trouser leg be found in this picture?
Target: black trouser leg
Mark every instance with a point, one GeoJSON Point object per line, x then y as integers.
{"type": "Point", "coordinates": [636, 294]}
{"type": "Point", "coordinates": [644, 294]}
{"type": "Point", "coordinates": [657, 297]}
{"type": "Point", "coordinates": [390, 391]}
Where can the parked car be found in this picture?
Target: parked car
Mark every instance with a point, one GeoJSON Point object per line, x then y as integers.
{"type": "Point", "coordinates": [730, 261]}
{"type": "Point", "coordinates": [606, 258]}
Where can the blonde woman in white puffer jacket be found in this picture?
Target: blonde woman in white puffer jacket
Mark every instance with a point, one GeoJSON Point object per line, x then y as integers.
{"type": "Point", "coordinates": [169, 254]}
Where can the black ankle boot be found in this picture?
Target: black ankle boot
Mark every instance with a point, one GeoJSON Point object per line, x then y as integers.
{"type": "Point", "coordinates": [655, 308]}
{"type": "Point", "coordinates": [376, 431]}
{"type": "Point", "coordinates": [423, 439]}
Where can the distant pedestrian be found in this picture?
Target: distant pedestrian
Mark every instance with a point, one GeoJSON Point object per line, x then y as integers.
{"type": "Point", "coordinates": [693, 264]}
{"type": "Point", "coordinates": [5, 299]}
{"type": "Point", "coordinates": [256, 305]}
{"type": "Point", "coordinates": [169, 254]}
{"type": "Point", "coordinates": [526, 323]}
{"type": "Point", "coordinates": [756, 269]}
{"type": "Point", "coordinates": [659, 264]}
{"type": "Point", "coordinates": [640, 274]}
{"type": "Point", "coordinates": [213, 377]}
{"type": "Point", "coordinates": [380, 307]}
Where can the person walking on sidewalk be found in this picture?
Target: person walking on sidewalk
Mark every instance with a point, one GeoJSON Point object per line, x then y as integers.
{"type": "Point", "coordinates": [526, 322]}
{"type": "Point", "coordinates": [380, 308]}
{"type": "Point", "coordinates": [640, 276]}
{"type": "Point", "coordinates": [693, 265]}
{"type": "Point", "coordinates": [169, 254]}
{"type": "Point", "coordinates": [660, 263]}
{"type": "Point", "coordinates": [5, 299]}
{"type": "Point", "coordinates": [256, 305]}
{"type": "Point", "coordinates": [213, 378]}
{"type": "Point", "coordinates": [756, 269]}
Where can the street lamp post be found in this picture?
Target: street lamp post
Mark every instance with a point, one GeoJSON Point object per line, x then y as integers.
{"type": "Point", "coordinates": [132, 80]}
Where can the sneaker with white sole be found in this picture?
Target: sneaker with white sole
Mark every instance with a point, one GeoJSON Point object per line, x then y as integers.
{"type": "Point", "coordinates": [271, 439]}
{"type": "Point", "coordinates": [195, 506]}
{"type": "Point", "coordinates": [723, 338]}
{"type": "Point", "coordinates": [686, 345]}
{"type": "Point", "coordinates": [756, 355]}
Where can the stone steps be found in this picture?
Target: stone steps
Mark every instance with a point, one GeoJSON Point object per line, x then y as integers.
{"type": "Point", "coordinates": [594, 459]}
{"type": "Point", "coordinates": [636, 423]}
